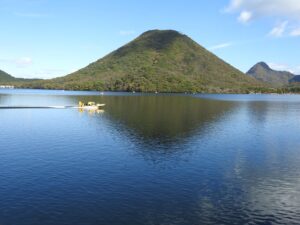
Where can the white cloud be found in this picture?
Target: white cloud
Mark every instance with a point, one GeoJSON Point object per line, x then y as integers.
{"type": "Point", "coordinates": [23, 62]}
{"type": "Point", "coordinates": [295, 32]}
{"type": "Point", "coordinates": [50, 73]}
{"type": "Point", "coordinates": [127, 32]}
{"type": "Point", "coordinates": [41, 73]}
{"type": "Point", "coordinates": [19, 62]}
{"type": "Point", "coordinates": [279, 30]}
{"type": "Point", "coordinates": [278, 66]}
{"type": "Point", "coordinates": [285, 67]}
{"type": "Point", "coordinates": [234, 4]}
{"type": "Point", "coordinates": [296, 70]}
{"type": "Point", "coordinates": [278, 10]}
{"type": "Point", "coordinates": [220, 46]}
{"type": "Point", "coordinates": [245, 17]}
{"type": "Point", "coordinates": [288, 8]}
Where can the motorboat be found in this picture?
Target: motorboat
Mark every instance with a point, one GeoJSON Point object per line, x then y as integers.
{"type": "Point", "coordinates": [90, 106]}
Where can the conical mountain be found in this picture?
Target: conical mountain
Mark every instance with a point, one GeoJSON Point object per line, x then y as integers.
{"type": "Point", "coordinates": [262, 72]}
{"type": "Point", "coordinates": [158, 60]}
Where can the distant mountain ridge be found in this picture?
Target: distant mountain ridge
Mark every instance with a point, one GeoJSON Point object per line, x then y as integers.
{"type": "Point", "coordinates": [262, 72]}
{"type": "Point", "coordinates": [5, 77]}
{"type": "Point", "coordinates": [295, 79]}
{"type": "Point", "coordinates": [157, 60]}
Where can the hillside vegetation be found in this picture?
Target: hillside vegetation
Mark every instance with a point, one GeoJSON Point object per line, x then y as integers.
{"type": "Point", "coordinates": [5, 77]}
{"type": "Point", "coordinates": [158, 60]}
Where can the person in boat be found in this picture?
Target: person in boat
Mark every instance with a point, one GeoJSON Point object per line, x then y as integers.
{"type": "Point", "coordinates": [82, 104]}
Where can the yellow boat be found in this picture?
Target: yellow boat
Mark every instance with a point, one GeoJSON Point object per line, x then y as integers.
{"type": "Point", "coordinates": [90, 106]}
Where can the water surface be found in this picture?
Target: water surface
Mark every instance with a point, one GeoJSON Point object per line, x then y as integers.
{"type": "Point", "coordinates": [149, 159]}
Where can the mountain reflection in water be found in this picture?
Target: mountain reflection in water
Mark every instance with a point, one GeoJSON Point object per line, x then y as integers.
{"type": "Point", "coordinates": [150, 159]}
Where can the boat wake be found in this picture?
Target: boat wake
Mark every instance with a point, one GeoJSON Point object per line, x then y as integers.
{"type": "Point", "coordinates": [38, 107]}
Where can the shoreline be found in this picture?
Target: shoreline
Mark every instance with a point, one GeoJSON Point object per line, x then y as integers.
{"type": "Point", "coordinates": [153, 93]}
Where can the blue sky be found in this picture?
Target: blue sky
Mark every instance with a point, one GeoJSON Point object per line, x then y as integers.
{"type": "Point", "coordinates": [50, 38]}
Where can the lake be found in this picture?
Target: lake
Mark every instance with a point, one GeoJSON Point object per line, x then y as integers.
{"type": "Point", "coordinates": [149, 159]}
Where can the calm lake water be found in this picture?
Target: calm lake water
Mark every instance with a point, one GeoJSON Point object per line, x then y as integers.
{"type": "Point", "coordinates": [149, 159]}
